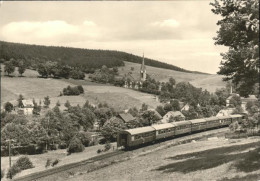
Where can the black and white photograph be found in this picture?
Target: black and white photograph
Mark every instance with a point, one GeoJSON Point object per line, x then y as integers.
{"type": "Point", "coordinates": [130, 90]}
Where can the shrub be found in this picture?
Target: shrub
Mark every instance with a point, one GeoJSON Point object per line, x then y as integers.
{"type": "Point", "coordinates": [99, 151]}
{"type": "Point", "coordinates": [48, 163]}
{"type": "Point", "coordinates": [62, 145]}
{"type": "Point", "coordinates": [107, 146]}
{"type": "Point", "coordinates": [2, 173]}
{"type": "Point", "coordinates": [24, 163]}
{"type": "Point", "coordinates": [55, 162]}
{"type": "Point", "coordinates": [84, 138]}
{"type": "Point", "coordinates": [75, 145]}
{"type": "Point", "coordinates": [13, 171]}
{"type": "Point", "coordinates": [77, 74]}
{"type": "Point", "coordinates": [80, 88]}
{"type": "Point", "coordinates": [53, 146]}
{"type": "Point", "coordinates": [9, 107]}
{"type": "Point", "coordinates": [73, 90]}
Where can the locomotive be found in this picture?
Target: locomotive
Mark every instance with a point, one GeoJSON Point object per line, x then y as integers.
{"type": "Point", "coordinates": [139, 136]}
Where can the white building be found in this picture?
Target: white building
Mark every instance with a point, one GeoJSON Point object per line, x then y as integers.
{"type": "Point", "coordinates": [27, 107]}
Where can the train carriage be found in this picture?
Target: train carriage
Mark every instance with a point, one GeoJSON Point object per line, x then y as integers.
{"type": "Point", "coordinates": [164, 130]}
{"type": "Point", "coordinates": [182, 127]}
{"type": "Point", "coordinates": [136, 136]}
{"type": "Point", "coordinates": [224, 120]}
{"type": "Point", "coordinates": [212, 122]}
{"type": "Point", "coordinates": [198, 125]}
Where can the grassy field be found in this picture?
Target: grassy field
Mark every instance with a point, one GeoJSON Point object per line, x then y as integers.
{"type": "Point", "coordinates": [38, 88]}
{"type": "Point", "coordinates": [205, 81]}
{"type": "Point", "coordinates": [210, 83]}
{"type": "Point", "coordinates": [30, 86]}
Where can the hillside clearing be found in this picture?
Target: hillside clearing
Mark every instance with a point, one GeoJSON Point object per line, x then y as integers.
{"type": "Point", "coordinates": [30, 88]}
{"type": "Point", "coordinates": [160, 74]}
{"type": "Point", "coordinates": [117, 97]}
{"type": "Point", "coordinates": [204, 81]}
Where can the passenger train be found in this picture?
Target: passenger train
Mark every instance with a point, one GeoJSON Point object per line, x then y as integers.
{"type": "Point", "coordinates": [138, 136]}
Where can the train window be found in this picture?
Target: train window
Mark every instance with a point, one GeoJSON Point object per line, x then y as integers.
{"type": "Point", "coordinates": [137, 137]}
{"type": "Point", "coordinates": [149, 134]}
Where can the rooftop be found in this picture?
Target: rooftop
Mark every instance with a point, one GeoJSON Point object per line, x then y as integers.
{"type": "Point", "coordinates": [127, 117]}
{"type": "Point", "coordinates": [27, 103]}
{"type": "Point", "coordinates": [139, 130]}
{"type": "Point", "coordinates": [176, 113]}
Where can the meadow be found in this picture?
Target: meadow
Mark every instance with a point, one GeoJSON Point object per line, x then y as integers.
{"type": "Point", "coordinates": [31, 86]}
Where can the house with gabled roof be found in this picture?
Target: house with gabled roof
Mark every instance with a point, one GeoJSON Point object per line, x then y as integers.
{"type": "Point", "coordinates": [225, 112]}
{"type": "Point", "coordinates": [126, 117]}
{"type": "Point", "coordinates": [186, 107]}
{"type": "Point", "coordinates": [173, 116]}
{"type": "Point", "coordinates": [27, 107]}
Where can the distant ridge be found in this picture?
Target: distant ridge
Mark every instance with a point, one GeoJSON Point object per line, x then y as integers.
{"type": "Point", "coordinates": [86, 59]}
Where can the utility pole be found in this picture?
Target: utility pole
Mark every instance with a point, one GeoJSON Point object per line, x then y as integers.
{"type": "Point", "coordinates": [10, 160]}
{"type": "Point", "coordinates": [47, 133]}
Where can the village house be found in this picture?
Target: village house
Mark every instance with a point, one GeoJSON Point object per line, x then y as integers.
{"type": "Point", "coordinates": [155, 113]}
{"type": "Point", "coordinates": [225, 112]}
{"type": "Point", "coordinates": [26, 108]}
{"type": "Point", "coordinates": [126, 117]}
{"type": "Point", "coordinates": [186, 107]}
{"type": "Point", "coordinates": [173, 116]}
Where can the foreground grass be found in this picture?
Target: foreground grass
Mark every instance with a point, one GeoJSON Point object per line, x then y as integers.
{"type": "Point", "coordinates": [252, 177]}
{"type": "Point", "coordinates": [243, 160]}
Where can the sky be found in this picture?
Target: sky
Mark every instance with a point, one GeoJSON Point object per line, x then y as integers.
{"type": "Point", "coordinates": [176, 32]}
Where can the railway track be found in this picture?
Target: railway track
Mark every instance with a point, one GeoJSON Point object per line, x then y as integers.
{"type": "Point", "coordinates": [176, 141]}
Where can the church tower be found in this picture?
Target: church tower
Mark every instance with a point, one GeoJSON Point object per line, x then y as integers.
{"type": "Point", "coordinates": [143, 71]}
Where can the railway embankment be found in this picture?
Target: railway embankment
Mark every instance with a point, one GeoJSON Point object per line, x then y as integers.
{"type": "Point", "coordinates": [214, 158]}
{"type": "Point", "coordinates": [98, 162]}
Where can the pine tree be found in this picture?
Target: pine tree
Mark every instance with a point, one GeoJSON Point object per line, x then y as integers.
{"type": "Point", "coordinates": [47, 102]}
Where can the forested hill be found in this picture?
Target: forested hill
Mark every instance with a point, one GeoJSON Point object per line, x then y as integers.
{"type": "Point", "coordinates": [86, 59]}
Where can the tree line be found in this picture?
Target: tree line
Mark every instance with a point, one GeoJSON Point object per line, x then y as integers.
{"type": "Point", "coordinates": [87, 60]}
{"type": "Point", "coordinates": [45, 70]}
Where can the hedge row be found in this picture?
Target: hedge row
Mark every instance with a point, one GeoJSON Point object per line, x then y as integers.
{"type": "Point", "coordinates": [29, 150]}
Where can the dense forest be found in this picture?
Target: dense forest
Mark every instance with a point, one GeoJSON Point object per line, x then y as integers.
{"type": "Point", "coordinates": [86, 59]}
